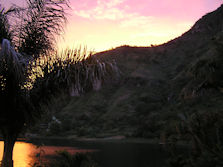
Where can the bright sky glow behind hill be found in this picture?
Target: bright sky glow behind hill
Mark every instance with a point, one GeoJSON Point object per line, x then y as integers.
{"type": "Point", "coordinates": [104, 24]}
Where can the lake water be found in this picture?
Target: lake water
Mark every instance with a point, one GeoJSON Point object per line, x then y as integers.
{"type": "Point", "coordinates": [24, 154]}
{"type": "Point", "coordinates": [106, 154]}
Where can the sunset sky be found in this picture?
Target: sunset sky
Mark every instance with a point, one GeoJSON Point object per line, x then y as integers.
{"type": "Point", "coordinates": [104, 24]}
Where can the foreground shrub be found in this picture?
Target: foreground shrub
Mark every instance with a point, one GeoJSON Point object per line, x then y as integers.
{"type": "Point", "coordinates": [205, 133]}
{"type": "Point", "coordinates": [65, 159]}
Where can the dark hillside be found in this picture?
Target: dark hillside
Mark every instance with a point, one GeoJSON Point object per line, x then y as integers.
{"type": "Point", "coordinates": [156, 85]}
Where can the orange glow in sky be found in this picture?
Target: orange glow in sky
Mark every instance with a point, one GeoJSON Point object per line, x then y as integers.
{"type": "Point", "coordinates": [105, 24]}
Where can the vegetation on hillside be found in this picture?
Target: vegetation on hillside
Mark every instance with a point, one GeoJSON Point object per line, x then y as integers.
{"type": "Point", "coordinates": [157, 84]}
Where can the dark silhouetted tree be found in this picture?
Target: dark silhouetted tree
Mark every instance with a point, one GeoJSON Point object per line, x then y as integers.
{"type": "Point", "coordinates": [31, 72]}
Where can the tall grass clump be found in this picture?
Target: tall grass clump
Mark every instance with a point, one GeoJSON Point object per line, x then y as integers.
{"type": "Point", "coordinates": [32, 72]}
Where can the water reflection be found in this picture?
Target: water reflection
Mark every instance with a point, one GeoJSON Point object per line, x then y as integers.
{"type": "Point", "coordinates": [106, 154]}
{"type": "Point", "coordinates": [24, 154]}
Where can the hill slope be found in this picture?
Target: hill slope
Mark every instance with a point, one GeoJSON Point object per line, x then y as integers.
{"type": "Point", "coordinates": [156, 84]}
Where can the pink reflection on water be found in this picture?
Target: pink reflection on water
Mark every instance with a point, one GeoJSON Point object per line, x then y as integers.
{"type": "Point", "coordinates": [50, 150]}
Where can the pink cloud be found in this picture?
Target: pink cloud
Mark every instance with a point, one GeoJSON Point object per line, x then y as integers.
{"type": "Point", "coordinates": [102, 9]}
{"type": "Point", "coordinates": [102, 24]}
{"type": "Point", "coordinates": [83, 4]}
{"type": "Point", "coordinates": [177, 9]}
{"type": "Point", "coordinates": [119, 9]}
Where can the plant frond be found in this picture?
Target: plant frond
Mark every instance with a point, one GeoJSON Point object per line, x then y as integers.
{"type": "Point", "coordinates": [39, 24]}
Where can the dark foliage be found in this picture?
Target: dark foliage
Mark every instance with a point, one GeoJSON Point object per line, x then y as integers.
{"type": "Point", "coordinates": [4, 25]}
{"type": "Point", "coordinates": [38, 24]}
{"type": "Point", "coordinates": [31, 73]}
{"type": "Point", "coordinates": [204, 130]}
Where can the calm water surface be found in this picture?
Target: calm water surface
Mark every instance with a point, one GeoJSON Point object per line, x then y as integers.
{"type": "Point", "coordinates": [24, 154]}
{"type": "Point", "coordinates": [118, 154]}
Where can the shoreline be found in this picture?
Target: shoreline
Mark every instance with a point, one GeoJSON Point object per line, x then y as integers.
{"type": "Point", "coordinates": [70, 140]}
{"type": "Point", "coordinates": [111, 139]}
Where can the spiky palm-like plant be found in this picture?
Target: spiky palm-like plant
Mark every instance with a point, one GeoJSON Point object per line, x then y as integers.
{"type": "Point", "coordinates": [4, 25]}
{"type": "Point", "coordinates": [29, 77]}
